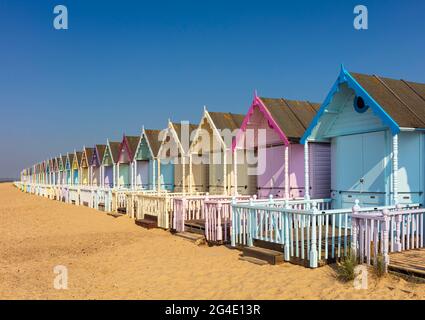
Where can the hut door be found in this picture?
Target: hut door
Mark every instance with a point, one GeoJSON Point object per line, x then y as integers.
{"type": "Point", "coordinates": [142, 177]}
{"type": "Point", "coordinates": [348, 153]}
{"type": "Point", "coordinates": [374, 153]}
{"type": "Point", "coordinates": [359, 162]}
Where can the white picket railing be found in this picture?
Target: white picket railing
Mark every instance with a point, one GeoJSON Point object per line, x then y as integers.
{"type": "Point", "coordinates": [385, 231]}
{"type": "Point", "coordinates": [308, 234]}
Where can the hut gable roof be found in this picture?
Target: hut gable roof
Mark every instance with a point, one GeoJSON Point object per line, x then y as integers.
{"type": "Point", "coordinates": [154, 140]}
{"type": "Point", "coordinates": [219, 121]}
{"type": "Point", "coordinates": [86, 156]}
{"type": "Point", "coordinates": [64, 161]}
{"type": "Point", "coordinates": [226, 120]}
{"type": "Point", "coordinates": [115, 150]}
{"type": "Point", "coordinates": [291, 116]}
{"type": "Point", "coordinates": [98, 152]}
{"type": "Point", "coordinates": [403, 101]}
{"type": "Point", "coordinates": [397, 103]}
{"type": "Point", "coordinates": [76, 158]}
{"type": "Point", "coordinates": [100, 149]}
{"type": "Point", "coordinates": [132, 142]}
{"type": "Point", "coordinates": [56, 164]}
{"type": "Point", "coordinates": [178, 128]}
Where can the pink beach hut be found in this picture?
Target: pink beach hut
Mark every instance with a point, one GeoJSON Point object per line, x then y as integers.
{"type": "Point", "coordinates": [271, 131]}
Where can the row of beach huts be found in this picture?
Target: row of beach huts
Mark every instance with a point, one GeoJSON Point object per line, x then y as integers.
{"type": "Point", "coordinates": [287, 181]}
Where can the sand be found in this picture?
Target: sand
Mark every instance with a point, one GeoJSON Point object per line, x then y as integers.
{"type": "Point", "coordinates": [112, 258]}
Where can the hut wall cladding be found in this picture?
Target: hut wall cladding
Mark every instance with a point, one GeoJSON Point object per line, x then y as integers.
{"type": "Point", "coordinates": [201, 162]}
{"type": "Point", "coordinates": [109, 176]}
{"type": "Point", "coordinates": [142, 173]}
{"type": "Point", "coordinates": [124, 175]}
{"type": "Point", "coordinates": [167, 174]}
{"type": "Point", "coordinates": [178, 174]}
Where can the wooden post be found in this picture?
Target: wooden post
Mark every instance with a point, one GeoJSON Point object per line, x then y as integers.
{"type": "Point", "coordinates": [153, 174]}
{"type": "Point", "coordinates": [225, 191]}
{"type": "Point", "coordinates": [235, 172]}
{"type": "Point", "coordinates": [286, 171]}
{"type": "Point", "coordinates": [114, 175]}
{"type": "Point", "coordinates": [133, 175]}
{"type": "Point", "coordinates": [233, 220]}
{"type": "Point", "coordinates": [184, 174]}
{"type": "Point", "coordinates": [306, 172]}
{"type": "Point", "coordinates": [286, 252]}
{"type": "Point", "coordinates": [251, 224]}
{"type": "Point", "coordinates": [385, 235]}
{"type": "Point", "coordinates": [190, 173]}
{"type": "Point", "coordinates": [354, 228]}
{"type": "Point", "coordinates": [118, 176]}
{"type": "Point", "coordinates": [395, 169]}
{"type": "Point", "coordinates": [313, 246]}
{"type": "Point", "coordinates": [159, 175]}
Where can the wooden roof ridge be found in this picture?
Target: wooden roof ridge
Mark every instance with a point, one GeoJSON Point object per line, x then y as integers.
{"type": "Point", "coordinates": [398, 98]}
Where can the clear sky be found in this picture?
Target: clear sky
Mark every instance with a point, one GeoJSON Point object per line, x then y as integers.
{"type": "Point", "coordinates": [124, 64]}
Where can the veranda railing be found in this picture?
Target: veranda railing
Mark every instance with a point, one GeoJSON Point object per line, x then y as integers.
{"type": "Point", "coordinates": [386, 231]}
{"type": "Point", "coordinates": [160, 205]}
{"type": "Point", "coordinates": [307, 231]}
{"type": "Point", "coordinates": [213, 209]}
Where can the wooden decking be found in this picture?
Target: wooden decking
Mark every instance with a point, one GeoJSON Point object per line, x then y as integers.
{"type": "Point", "coordinates": [410, 262]}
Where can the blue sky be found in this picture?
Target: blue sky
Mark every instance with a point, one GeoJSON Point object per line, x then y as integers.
{"type": "Point", "coordinates": [124, 64]}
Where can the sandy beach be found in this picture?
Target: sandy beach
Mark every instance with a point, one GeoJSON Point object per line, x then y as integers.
{"type": "Point", "coordinates": [112, 258]}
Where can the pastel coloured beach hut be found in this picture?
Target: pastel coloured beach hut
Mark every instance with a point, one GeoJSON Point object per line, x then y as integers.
{"type": "Point", "coordinates": [56, 178]}
{"type": "Point", "coordinates": [76, 160]}
{"type": "Point", "coordinates": [96, 164]}
{"type": "Point", "coordinates": [62, 168]}
{"type": "Point", "coordinates": [173, 156]}
{"type": "Point", "coordinates": [126, 164]}
{"type": "Point", "coordinates": [375, 126]}
{"type": "Point", "coordinates": [68, 168]}
{"type": "Point", "coordinates": [50, 171]}
{"type": "Point", "coordinates": [146, 162]}
{"type": "Point", "coordinates": [109, 162]}
{"type": "Point", "coordinates": [272, 130]}
{"type": "Point", "coordinates": [85, 169]}
{"type": "Point", "coordinates": [211, 168]}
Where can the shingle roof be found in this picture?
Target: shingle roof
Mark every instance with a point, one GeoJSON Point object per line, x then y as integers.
{"type": "Point", "coordinates": [89, 154]}
{"type": "Point", "coordinates": [226, 120]}
{"type": "Point", "coordinates": [64, 161]}
{"type": "Point", "coordinates": [154, 139]}
{"type": "Point", "coordinates": [115, 149]}
{"type": "Point", "coordinates": [101, 150]}
{"type": "Point", "coordinates": [178, 128]}
{"type": "Point", "coordinates": [404, 101]}
{"type": "Point", "coordinates": [292, 117]}
{"type": "Point", "coordinates": [132, 142]}
{"type": "Point", "coordinates": [77, 154]}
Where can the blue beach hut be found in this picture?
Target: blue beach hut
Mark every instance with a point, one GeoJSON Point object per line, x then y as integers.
{"type": "Point", "coordinates": [376, 128]}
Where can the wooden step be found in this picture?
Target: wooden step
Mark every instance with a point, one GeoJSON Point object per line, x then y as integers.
{"type": "Point", "coordinates": [270, 256]}
{"type": "Point", "coordinates": [146, 223]}
{"type": "Point", "coordinates": [195, 226]}
{"type": "Point", "coordinates": [122, 210]}
{"type": "Point", "coordinates": [114, 214]}
{"type": "Point", "coordinates": [254, 260]}
{"type": "Point", "coordinates": [193, 237]}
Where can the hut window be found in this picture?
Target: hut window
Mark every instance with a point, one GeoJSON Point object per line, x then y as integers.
{"type": "Point", "coordinates": [360, 105]}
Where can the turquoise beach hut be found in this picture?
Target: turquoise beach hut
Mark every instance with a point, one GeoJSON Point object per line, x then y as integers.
{"type": "Point", "coordinates": [146, 161]}
{"type": "Point", "coordinates": [376, 127]}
